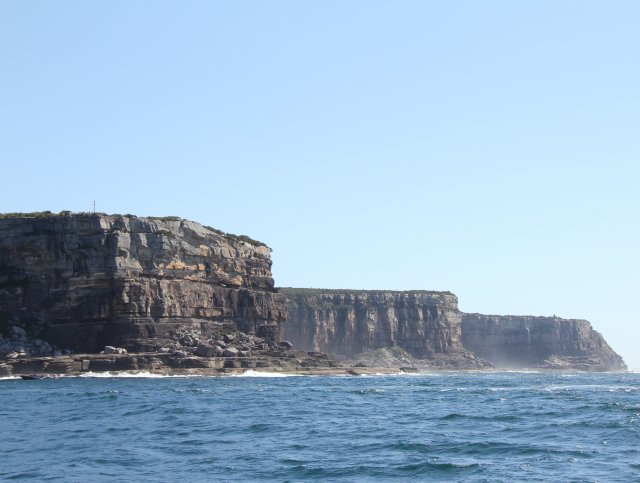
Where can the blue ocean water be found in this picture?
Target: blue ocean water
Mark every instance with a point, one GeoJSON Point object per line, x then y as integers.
{"type": "Point", "coordinates": [429, 427]}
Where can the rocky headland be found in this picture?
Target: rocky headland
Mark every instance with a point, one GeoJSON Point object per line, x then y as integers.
{"type": "Point", "coordinates": [182, 294]}
{"type": "Point", "coordinates": [545, 342]}
{"type": "Point", "coordinates": [94, 292]}
{"type": "Point", "coordinates": [426, 329]}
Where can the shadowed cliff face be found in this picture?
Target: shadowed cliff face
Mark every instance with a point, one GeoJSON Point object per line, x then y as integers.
{"type": "Point", "coordinates": [84, 281]}
{"type": "Point", "coordinates": [350, 322]}
{"type": "Point", "coordinates": [551, 342]}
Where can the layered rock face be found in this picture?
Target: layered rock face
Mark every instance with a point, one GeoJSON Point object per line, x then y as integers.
{"type": "Point", "coordinates": [80, 282]}
{"type": "Point", "coordinates": [549, 342]}
{"type": "Point", "coordinates": [429, 326]}
{"type": "Point", "coordinates": [425, 324]}
{"type": "Point", "coordinates": [85, 281]}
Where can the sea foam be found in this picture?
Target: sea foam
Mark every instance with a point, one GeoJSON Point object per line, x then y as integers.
{"type": "Point", "coordinates": [136, 374]}
{"type": "Point", "coordinates": [253, 373]}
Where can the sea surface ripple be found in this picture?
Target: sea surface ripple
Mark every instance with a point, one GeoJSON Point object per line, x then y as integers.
{"type": "Point", "coordinates": [430, 427]}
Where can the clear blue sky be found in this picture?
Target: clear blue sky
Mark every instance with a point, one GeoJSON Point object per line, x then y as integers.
{"type": "Point", "coordinates": [488, 148]}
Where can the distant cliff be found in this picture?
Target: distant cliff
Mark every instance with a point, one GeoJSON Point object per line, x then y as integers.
{"type": "Point", "coordinates": [550, 342]}
{"type": "Point", "coordinates": [82, 281]}
{"type": "Point", "coordinates": [425, 324]}
{"type": "Point", "coordinates": [429, 326]}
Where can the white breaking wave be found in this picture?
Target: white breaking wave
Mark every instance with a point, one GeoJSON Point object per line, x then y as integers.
{"type": "Point", "coordinates": [521, 371]}
{"type": "Point", "coordinates": [150, 375]}
{"type": "Point", "coordinates": [137, 374]}
{"type": "Point", "coordinates": [252, 373]}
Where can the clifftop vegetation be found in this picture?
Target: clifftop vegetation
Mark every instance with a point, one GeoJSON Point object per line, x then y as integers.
{"type": "Point", "coordinates": [50, 214]}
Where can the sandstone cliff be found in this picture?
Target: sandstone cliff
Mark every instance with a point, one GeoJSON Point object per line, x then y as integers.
{"type": "Point", "coordinates": [425, 324]}
{"type": "Point", "coordinates": [183, 291]}
{"type": "Point", "coordinates": [429, 326]}
{"type": "Point", "coordinates": [549, 342]}
{"type": "Point", "coordinates": [83, 281]}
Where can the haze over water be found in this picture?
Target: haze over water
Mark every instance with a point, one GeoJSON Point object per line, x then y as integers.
{"type": "Point", "coordinates": [436, 427]}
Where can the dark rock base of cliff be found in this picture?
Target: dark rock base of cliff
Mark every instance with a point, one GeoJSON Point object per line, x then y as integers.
{"type": "Point", "coordinates": [168, 364]}
{"type": "Point", "coordinates": [187, 352]}
{"type": "Point", "coordinates": [398, 357]}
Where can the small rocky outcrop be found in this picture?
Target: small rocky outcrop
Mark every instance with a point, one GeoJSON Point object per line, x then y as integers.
{"type": "Point", "coordinates": [17, 343]}
{"type": "Point", "coordinates": [355, 324]}
{"type": "Point", "coordinates": [109, 349]}
{"type": "Point", "coordinates": [544, 342]}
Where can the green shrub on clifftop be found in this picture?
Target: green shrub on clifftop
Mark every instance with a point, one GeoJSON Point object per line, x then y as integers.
{"type": "Point", "coordinates": [246, 239]}
{"type": "Point", "coordinates": [66, 213]}
{"type": "Point", "coordinates": [165, 218]}
{"type": "Point", "coordinates": [33, 214]}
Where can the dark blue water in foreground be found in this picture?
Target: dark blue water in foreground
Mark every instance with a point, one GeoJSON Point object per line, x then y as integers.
{"type": "Point", "coordinates": [446, 427]}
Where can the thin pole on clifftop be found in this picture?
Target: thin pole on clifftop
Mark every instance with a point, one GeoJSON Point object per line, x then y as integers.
{"type": "Point", "coordinates": [94, 207]}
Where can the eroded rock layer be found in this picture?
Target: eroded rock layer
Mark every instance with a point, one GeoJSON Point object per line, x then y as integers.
{"type": "Point", "coordinates": [85, 281]}
{"type": "Point", "coordinates": [548, 342]}
{"type": "Point", "coordinates": [425, 324]}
